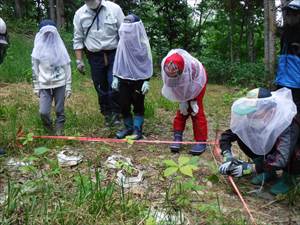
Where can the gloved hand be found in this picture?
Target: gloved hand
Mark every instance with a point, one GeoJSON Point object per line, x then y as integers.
{"type": "Point", "coordinates": [115, 83]}
{"type": "Point", "coordinates": [36, 92]}
{"type": "Point", "coordinates": [227, 155]}
{"type": "Point", "coordinates": [236, 168]}
{"type": "Point", "coordinates": [195, 108]}
{"type": "Point", "coordinates": [80, 66]}
{"type": "Point", "coordinates": [183, 108]}
{"type": "Point", "coordinates": [68, 94]}
{"type": "Point", "coordinates": [145, 87]}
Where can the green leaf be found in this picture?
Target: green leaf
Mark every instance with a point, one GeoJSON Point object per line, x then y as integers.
{"type": "Point", "coordinates": [194, 161]}
{"type": "Point", "coordinates": [183, 160]}
{"type": "Point", "coordinates": [193, 167]}
{"type": "Point", "coordinates": [31, 158]}
{"type": "Point", "coordinates": [40, 150]}
{"type": "Point", "coordinates": [186, 170]}
{"type": "Point", "coordinates": [170, 171]}
{"type": "Point", "coordinates": [170, 163]}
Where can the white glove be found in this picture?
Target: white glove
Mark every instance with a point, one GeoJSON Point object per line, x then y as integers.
{"type": "Point", "coordinates": [80, 66]}
{"type": "Point", "coordinates": [145, 87]}
{"type": "Point", "coordinates": [195, 108]}
{"type": "Point", "coordinates": [68, 94]}
{"type": "Point", "coordinates": [36, 92]}
{"type": "Point", "coordinates": [115, 83]}
{"type": "Point", "coordinates": [236, 168]}
{"type": "Point", "coordinates": [183, 108]}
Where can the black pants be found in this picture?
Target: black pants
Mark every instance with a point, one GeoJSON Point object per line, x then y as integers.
{"type": "Point", "coordinates": [131, 94]}
{"type": "Point", "coordinates": [101, 69]}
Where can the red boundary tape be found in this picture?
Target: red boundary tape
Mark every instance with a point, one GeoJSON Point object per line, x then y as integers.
{"type": "Point", "coordinates": [112, 140]}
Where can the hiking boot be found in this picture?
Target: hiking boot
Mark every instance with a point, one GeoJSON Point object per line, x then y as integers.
{"type": "Point", "coordinates": [284, 184]}
{"type": "Point", "coordinates": [138, 122]}
{"type": "Point", "coordinates": [128, 128]}
{"type": "Point", "coordinates": [198, 149]}
{"type": "Point", "coordinates": [136, 135]}
{"type": "Point", "coordinates": [175, 147]}
{"type": "Point", "coordinates": [259, 179]}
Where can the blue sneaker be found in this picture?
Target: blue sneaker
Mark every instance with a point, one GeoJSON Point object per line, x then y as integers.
{"type": "Point", "coordinates": [198, 149]}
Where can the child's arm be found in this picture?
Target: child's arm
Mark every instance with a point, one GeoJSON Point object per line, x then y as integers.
{"type": "Point", "coordinates": [35, 76]}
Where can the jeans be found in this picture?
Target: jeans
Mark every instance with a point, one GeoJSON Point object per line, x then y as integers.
{"type": "Point", "coordinates": [101, 69]}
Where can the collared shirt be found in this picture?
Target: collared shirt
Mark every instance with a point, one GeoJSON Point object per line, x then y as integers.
{"type": "Point", "coordinates": [103, 34]}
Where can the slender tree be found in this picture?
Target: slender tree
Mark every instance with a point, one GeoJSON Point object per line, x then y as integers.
{"type": "Point", "coordinates": [269, 30]}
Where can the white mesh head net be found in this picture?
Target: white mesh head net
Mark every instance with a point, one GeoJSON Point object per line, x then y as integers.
{"type": "Point", "coordinates": [186, 85]}
{"type": "Point", "coordinates": [133, 58]}
{"type": "Point", "coordinates": [49, 47]}
{"type": "Point", "coordinates": [258, 122]}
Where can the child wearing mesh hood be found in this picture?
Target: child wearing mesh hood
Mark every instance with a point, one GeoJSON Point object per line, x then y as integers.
{"type": "Point", "coordinates": [132, 71]}
{"type": "Point", "coordinates": [51, 75]}
{"type": "Point", "coordinates": [263, 125]}
{"type": "Point", "coordinates": [185, 81]}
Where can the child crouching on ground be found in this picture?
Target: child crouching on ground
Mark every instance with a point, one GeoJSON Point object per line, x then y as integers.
{"type": "Point", "coordinates": [51, 75]}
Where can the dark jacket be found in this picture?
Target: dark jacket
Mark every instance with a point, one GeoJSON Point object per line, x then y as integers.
{"type": "Point", "coordinates": [280, 155]}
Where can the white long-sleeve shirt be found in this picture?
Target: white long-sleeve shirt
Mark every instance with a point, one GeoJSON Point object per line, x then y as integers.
{"type": "Point", "coordinates": [103, 34]}
{"type": "Point", "coordinates": [45, 76]}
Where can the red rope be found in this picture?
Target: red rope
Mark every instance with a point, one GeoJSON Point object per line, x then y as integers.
{"type": "Point", "coordinates": [217, 151]}
{"type": "Point", "coordinates": [112, 140]}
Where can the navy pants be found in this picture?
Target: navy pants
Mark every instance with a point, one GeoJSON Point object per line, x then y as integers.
{"type": "Point", "coordinates": [101, 69]}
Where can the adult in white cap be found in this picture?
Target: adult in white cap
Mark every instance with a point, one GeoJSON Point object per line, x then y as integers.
{"type": "Point", "coordinates": [96, 26]}
{"type": "Point", "coordinates": [263, 125]}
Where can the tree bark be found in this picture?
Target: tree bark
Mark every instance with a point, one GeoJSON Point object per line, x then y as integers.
{"type": "Point", "coordinates": [52, 10]}
{"type": "Point", "coordinates": [60, 15]}
{"type": "Point", "coordinates": [231, 30]}
{"type": "Point", "coordinates": [269, 34]}
{"type": "Point", "coordinates": [18, 8]}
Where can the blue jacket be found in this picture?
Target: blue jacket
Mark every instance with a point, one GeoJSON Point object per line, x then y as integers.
{"type": "Point", "coordinates": [288, 72]}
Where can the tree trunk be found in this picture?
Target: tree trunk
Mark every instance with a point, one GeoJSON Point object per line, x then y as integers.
{"type": "Point", "coordinates": [18, 8]}
{"type": "Point", "coordinates": [269, 34]}
{"type": "Point", "coordinates": [52, 10]}
{"type": "Point", "coordinates": [231, 32]}
{"type": "Point", "coordinates": [250, 32]}
{"type": "Point", "coordinates": [60, 15]}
